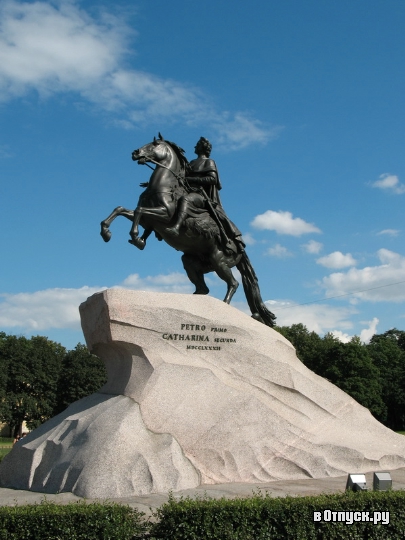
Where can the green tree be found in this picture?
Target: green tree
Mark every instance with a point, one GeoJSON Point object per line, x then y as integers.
{"type": "Point", "coordinates": [82, 374]}
{"type": "Point", "coordinates": [350, 367]}
{"type": "Point", "coordinates": [307, 344]}
{"type": "Point", "coordinates": [388, 353]}
{"type": "Point", "coordinates": [347, 365]}
{"type": "Point", "coordinates": [31, 370]}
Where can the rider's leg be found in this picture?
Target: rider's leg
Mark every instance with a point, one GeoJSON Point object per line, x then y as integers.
{"type": "Point", "coordinates": [181, 217]}
{"type": "Point", "coordinates": [185, 202]}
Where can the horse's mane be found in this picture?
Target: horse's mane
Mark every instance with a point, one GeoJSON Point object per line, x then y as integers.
{"type": "Point", "coordinates": [179, 153]}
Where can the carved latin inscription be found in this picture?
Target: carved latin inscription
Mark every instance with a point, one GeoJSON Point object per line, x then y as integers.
{"type": "Point", "coordinates": [189, 332]}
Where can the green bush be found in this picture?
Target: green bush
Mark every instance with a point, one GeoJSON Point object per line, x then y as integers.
{"type": "Point", "coordinates": [265, 518]}
{"type": "Point", "coordinates": [75, 521]}
{"type": "Point", "coordinates": [256, 518]}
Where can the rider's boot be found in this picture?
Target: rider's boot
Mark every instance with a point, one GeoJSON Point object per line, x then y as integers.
{"type": "Point", "coordinates": [174, 231]}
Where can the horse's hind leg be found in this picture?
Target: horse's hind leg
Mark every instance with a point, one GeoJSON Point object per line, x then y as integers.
{"type": "Point", "coordinates": [220, 266]}
{"type": "Point", "coordinates": [105, 224]}
{"type": "Point", "coordinates": [195, 272]}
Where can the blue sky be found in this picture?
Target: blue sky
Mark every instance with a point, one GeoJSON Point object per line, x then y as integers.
{"type": "Point", "coordinates": [303, 102]}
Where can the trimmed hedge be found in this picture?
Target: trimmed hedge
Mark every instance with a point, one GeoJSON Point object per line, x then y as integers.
{"type": "Point", "coordinates": [264, 518]}
{"type": "Point", "coordinates": [74, 521]}
{"type": "Point", "coordinates": [259, 517]}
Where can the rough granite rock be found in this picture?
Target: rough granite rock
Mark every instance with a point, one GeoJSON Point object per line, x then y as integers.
{"type": "Point", "coordinates": [197, 392]}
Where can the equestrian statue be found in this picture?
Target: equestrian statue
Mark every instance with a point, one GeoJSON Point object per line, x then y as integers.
{"type": "Point", "coordinates": [181, 205]}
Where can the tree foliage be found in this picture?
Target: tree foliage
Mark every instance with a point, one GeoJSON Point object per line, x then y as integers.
{"type": "Point", "coordinates": [388, 355]}
{"type": "Point", "coordinates": [82, 374]}
{"type": "Point", "coordinates": [39, 378]}
{"type": "Point", "coordinates": [373, 374]}
{"type": "Point", "coordinates": [350, 367]}
{"type": "Point", "coordinates": [30, 372]}
{"type": "Point", "coordinates": [308, 344]}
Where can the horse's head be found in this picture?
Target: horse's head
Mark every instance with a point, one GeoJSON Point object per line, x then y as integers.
{"type": "Point", "coordinates": [155, 151]}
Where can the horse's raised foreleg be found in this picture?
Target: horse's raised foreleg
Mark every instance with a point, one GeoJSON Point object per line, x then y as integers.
{"type": "Point", "coordinates": [105, 224]}
{"type": "Point", "coordinates": [140, 242]}
{"type": "Point", "coordinates": [133, 233]}
{"type": "Point", "coordinates": [160, 213]}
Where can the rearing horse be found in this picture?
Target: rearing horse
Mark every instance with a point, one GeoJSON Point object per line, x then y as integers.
{"type": "Point", "coordinates": [199, 238]}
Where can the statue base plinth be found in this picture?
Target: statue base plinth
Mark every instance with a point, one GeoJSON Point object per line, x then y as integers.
{"type": "Point", "coordinates": [197, 393]}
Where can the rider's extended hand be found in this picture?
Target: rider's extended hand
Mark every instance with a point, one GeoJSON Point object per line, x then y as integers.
{"type": "Point", "coordinates": [144, 184]}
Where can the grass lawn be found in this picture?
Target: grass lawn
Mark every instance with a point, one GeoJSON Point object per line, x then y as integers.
{"type": "Point", "coordinates": [3, 452]}
{"type": "Point", "coordinates": [6, 441]}
{"type": "Point", "coordinates": [6, 444]}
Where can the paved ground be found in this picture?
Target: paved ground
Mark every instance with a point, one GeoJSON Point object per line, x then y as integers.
{"type": "Point", "coordinates": [10, 497]}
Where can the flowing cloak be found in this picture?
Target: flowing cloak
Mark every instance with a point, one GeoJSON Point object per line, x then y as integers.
{"type": "Point", "coordinates": [203, 169]}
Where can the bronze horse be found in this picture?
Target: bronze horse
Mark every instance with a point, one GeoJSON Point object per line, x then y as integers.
{"type": "Point", "coordinates": [199, 238]}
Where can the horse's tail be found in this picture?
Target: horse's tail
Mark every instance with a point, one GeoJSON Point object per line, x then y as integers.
{"type": "Point", "coordinates": [251, 287]}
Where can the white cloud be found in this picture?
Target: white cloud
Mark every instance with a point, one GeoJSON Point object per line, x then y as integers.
{"type": "Point", "coordinates": [389, 232]}
{"type": "Point", "coordinates": [40, 310]}
{"type": "Point", "coordinates": [312, 246]}
{"type": "Point", "coordinates": [380, 279]}
{"type": "Point", "coordinates": [283, 223]}
{"type": "Point", "coordinates": [337, 260]}
{"type": "Point", "coordinates": [389, 182]}
{"type": "Point", "coordinates": [175, 282]}
{"type": "Point", "coordinates": [341, 336]}
{"type": "Point", "coordinates": [59, 308]}
{"type": "Point", "coordinates": [319, 318]}
{"type": "Point", "coordinates": [53, 48]}
{"type": "Point", "coordinates": [248, 239]}
{"type": "Point", "coordinates": [279, 251]}
{"type": "Point", "coordinates": [237, 130]}
{"type": "Point", "coordinates": [365, 334]}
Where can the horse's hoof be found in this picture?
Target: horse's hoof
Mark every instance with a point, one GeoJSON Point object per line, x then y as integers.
{"type": "Point", "coordinates": [105, 234]}
{"type": "Point", "coordinates": [202, 291]}
{"type": "Point", "coordinates": [138, 242]}
{"type": "Point", "coordinates": [257, 317]}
